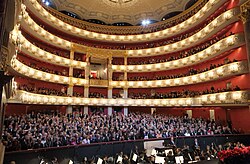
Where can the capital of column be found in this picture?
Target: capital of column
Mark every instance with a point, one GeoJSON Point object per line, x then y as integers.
{"type": "Point", "coordinates": [245, 11]}
{"type": "Point", "coordinates": [110, 87]}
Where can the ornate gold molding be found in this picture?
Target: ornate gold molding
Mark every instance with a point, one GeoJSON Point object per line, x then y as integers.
{"type": "Point", "coordinates": [121, 30]}
{"type": "Point", "coordinates": [245, 11]}
{"type": "Point", "coordinates": [3, 58]}
{"type": "Point", "coordinates": [223, 98]}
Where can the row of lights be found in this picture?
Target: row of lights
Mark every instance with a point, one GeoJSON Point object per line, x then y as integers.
{"type": "Point", "coordinates": [142, 37]}
{"type": "Point", "coordinates": [221, 22]}
{"type": "Point", "coordinates": [142, 52]}
{"type": "Point", "coordinates": [220, 72]}
{"type": "Point", "coordinates": [226, 97]}
{"type": "Point", "coordinates": [40, 75]}
{"type": "Point", "coordinates": [222, 97]}
{"type": "Point", "coordinates": [217, 48]}
{"type": "Point", "coordinates": [36, 52]}
{"type": "Point", "coordinates": [45, 34]}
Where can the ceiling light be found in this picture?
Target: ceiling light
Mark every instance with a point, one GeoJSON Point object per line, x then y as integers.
{"type": "Point", "coordinates": [145, 22]}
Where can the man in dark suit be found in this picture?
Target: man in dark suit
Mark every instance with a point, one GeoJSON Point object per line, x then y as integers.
{"type": "Point", "coordinates": [172, 142]}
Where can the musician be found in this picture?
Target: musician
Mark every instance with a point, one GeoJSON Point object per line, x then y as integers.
{"type": "Point", "coordinates": [187, 154]}
{"type": "Point", "coordinates": [170, 159]}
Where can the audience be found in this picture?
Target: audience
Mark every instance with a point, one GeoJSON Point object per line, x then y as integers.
{"type": "Point", "coordinates": [175, 56]}
{"type": "Point", "coordinates": [179, 94]}
{"type": "Point", "coordinates": [33, 131]}
{"type": "Point", "coordinates": [190, 72]}
{"type": "Point", "coordinates": [44, 69]}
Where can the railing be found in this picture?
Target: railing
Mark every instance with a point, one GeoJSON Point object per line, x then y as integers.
{"type": "Point", "coordinates": [77, 153]}
{"type": "Point", "coordinates": [98, 83]}
{"type": "Point", "coordinates": [127, 30]}
{"type": "Point", "coordinates": [122, 38]}
{"type": "Point", "coordinates": [218, 48]}
{"type": "Point", "coordinates": [231, 69]}
{"type": "Point", "coordinates": [212, 28]}
{"type": "Point", "coordinates": [223, 98]}
{"type": "Point", "coordinates": [214, 74]}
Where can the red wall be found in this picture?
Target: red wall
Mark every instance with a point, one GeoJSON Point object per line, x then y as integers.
{"type": "Point", "coordinates": [18, 109]}
{"type": "Point", "coordinates": [240, 118]}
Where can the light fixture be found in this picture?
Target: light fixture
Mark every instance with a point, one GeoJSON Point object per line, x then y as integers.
{"type": "Point", "coordinates": [145, 22]}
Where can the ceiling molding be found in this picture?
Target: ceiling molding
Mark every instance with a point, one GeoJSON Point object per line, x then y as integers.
{"type": "Point", "coordinates": [131, 12]}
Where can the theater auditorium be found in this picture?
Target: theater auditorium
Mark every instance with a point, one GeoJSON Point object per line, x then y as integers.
{"type": "Point", "coordinates": [124, 81]}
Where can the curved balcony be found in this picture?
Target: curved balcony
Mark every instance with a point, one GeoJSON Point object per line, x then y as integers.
{"type": "Point", "coordinates": [212, 28]}
{"type": "Point", "coordinates": [33, 51]}
{"type": "Point", "coordinates": [131, 30]}
{"type": "Point", "coordinates": [231, 69]}
{"type": "Point", "coordinates": [227, 70]}
{"type": "Point", "coordinates": [44, 76]}
{"type": "Point", "coordinates": [202, 14]}
{"type": "Point", "coordinates": [232, 98]}
{"type": "Point", "coordinates": [220, 47]}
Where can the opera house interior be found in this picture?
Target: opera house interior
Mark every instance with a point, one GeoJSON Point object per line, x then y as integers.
{"type": "Point", "coordinates": [124, 81]}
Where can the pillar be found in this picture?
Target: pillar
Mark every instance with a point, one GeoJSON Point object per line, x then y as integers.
{"type": "Point", "coordinates": [125, 93]}
{"type": "Point", "coordinates": [85, 110]}
{"type": "Point", "coordinates": [86, 95]}
{"type": "Point", "coordinates": [125, 111]}
{"type": "Point", "coordinates": [110, 92]}
{"type": "Point", "coordinates": [125, 71]}
{"type": "Point", "coordinates": [72, 54]}
{"type": "Point", "coordinates": [87, 68]}
{"type": "Point", "coordinates": [70, 88]}
{"type": "Point", "coordinates": [110, 110]}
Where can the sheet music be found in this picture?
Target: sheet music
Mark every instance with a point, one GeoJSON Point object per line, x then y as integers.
{"type": "Point", "coordinates": [159, 159]}
{"type": "Point", "coordinates": [134, 157]}
{"type": "Point", "coordinates": [99, 161]}
{"type": "Point", "coordinates": [179, 159]}
{"type": "Point", "coordinates": [119, 159]}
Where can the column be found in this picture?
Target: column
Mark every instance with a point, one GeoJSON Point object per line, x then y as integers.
{"type": "Point", "coordinates": [110, 88]}
{"type": "Point", "coordinates": [110, 74]}
{"type": "Point", "coordinates": [110, 110]}
{"type": "Point", "coordinates": [110, 92]}
{"type": "Point", "coordinates": [86, 87]}
{"type": "Point", "coordinates": [125, 111]}
{"type": "Point", "coordinates": [125, 89]}
{"type": "Point", "coordinates": [125, 93]}
{"type": "Point", "coordinates": [86, 95]}
{"type": "Point", "coordinates": [87, 68]}
{"type": "Point", "coordinates": [70, 86]}
{"type": "Point", "coordinates": [125, 71]}
{"type": "Point", "coordinates": [245, 17]}
{"type": "Point", "coordinates": [110, 71]}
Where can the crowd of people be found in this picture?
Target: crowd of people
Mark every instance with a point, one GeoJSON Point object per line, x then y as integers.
{"type": "Point", "coordinates": [175, 56]}
{"type": "Point", "coordinates": [134, 95]}
{"type": "Point", "coordinates": [185, 93]}
{"type": "Point", "coordinates": [40, 130]}
{"type": "Point", "coordinates": [190, 72]}
{"type": "Point", "coordinates": [43, 90]}
{"type": "Point", "coordinates": [31, 64]}
{"type": "Point", "coordinates": [146, 45]}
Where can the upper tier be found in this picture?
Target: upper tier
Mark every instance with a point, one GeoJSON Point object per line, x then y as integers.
{"type": "Point", "coordinates": [208, 9]}
{"type": "Point", "coordinates": [212, 28]}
